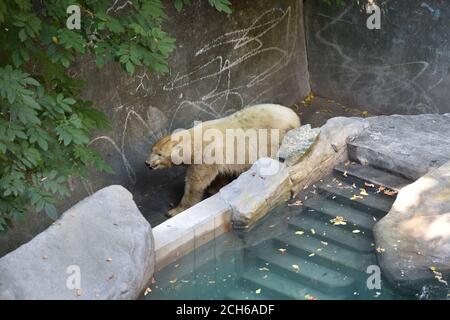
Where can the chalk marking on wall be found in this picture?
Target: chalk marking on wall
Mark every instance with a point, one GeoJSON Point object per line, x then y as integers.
{"type": "Point", "coordinates": [384, 79]}
{"type": "Point", "coordinates": [218, 70]}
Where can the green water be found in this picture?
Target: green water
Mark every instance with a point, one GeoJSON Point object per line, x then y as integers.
{"type": "Point", "coordinates": [295, 252]}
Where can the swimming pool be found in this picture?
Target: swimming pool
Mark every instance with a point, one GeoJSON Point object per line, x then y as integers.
{"type": "Point", "coordinates": [318, 246]}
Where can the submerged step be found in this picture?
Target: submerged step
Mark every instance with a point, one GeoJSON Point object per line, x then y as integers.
{"type": "Point", "coordinates": [331, 255]}
{"type": "Point", "coordinates": [375, 204]}
{"type": "Point", "coordinates": [277, 285]}
{"type": "Point", "coordinates": [371, 175]}
{"type": "Point", "coordinates": [246, 294]}
{"type": "Point", "coordinates": [327, 209]}
{"type": "Point", "coordinates": [330, 233]}
{"type": "Point", "coordinates": [305, 272]}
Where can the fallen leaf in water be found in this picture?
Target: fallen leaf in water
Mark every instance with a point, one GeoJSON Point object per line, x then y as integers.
{"type": "Point", "coordinates": [173, 281]}
{"type": "Point", "coordinates": [324, 243]}
{"type": "Point", "coordinates": [264, 269]}
{"type": "Point", "coordinates": [339, 220]}
{"type": "Point", "coordinates": [282, 250]}
{"type": "Point", "coordinates": [147, 291]}
{"type": "Point", "coordinates": [438, 275]}
{"type": "Point", "coordinates": [296, 267]}
{"type": "Point", "coordinates": [313, 231]}
{"type": "Point", "coordinates": [272, 226]}
{"type": "Point", "coordinates": [356, 231]}
{"type": "Point", "coordinates": [390, 192]}
{"type": "Point", "coordinates": [370, 185]}
{"type": "Point", "coordinates": [356, 197]}
{"type": "Point", "coordinates": [319, 249]}
{"type": "Point", "coordinates": [299, 233]}
{"type": "Point", "coordinates": [363, 192]}
{"type": "Point", "coordinates": [380, 189]}
{"type": "Point", "coordinates": [345, 174]}
{"type": "Point", "coordinates": [258, 291]}
{"type": "Point", "coordinates": [296, 203]}
{"type": "Point", "coordinates": [312, 255]}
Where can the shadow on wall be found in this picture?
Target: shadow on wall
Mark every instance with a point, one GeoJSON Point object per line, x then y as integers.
{"type": "Point", "coordinates": [222, 63]}
{"type": "Point", "coordinates": [402, 68]}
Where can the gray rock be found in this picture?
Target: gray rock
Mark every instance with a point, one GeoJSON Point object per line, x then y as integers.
{"type": "Point", "coordinates": [415, 235]}
{"type": "Point", "coordinates": [296, 143]}
{"type": "Point", "coordinates": [256, 191]}
{"type": "Point", "coordinates": [104, 235]}
{"type": "Point", "coordinates": [328, 151]}
{"type": "Point", "coordinates": [408, 145]}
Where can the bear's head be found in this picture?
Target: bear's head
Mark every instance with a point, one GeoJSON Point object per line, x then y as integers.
{"type": "Point", "coordinates": [166, 152]}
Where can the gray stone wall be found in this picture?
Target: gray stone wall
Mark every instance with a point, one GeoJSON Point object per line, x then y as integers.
{"type": "Point", "coordinates": [401, 68]}
{"type": "Point", "coordinates": [222, 63]}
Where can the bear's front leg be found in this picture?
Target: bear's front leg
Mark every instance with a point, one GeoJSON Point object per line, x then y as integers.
{"type": "Point", "coordinates": [198, 178]}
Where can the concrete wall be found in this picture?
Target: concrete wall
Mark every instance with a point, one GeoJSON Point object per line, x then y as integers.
{"type": "Point", "coordinates": [402, 68]}
{"type": "Point", "coordinates": [222, 63]}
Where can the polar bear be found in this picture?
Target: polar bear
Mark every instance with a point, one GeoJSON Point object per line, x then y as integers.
{"type": "Point", "coordinates": [207, 151]}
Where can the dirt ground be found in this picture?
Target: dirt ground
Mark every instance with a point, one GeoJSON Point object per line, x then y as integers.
{"type": "Point", "coordinates": [316, 110]}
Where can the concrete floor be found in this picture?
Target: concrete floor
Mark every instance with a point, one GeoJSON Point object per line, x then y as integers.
{"type": "Point", "coordinates": [164, 188]}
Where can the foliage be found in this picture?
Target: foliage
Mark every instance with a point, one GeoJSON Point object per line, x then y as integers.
{"type": "Point", "coordinates": [45, 126]}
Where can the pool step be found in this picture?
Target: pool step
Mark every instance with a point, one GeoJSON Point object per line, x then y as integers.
{"type": "Point", "coordinates": [282, 287]}
{"type": "Point", "coordinates": [270, 260]}
{"type": "Point", "coordinates": [375, 204]}
{"type": "Point", "coordinates": [245, 293]}
{"type": "Point", "coordinates": [330, 233]}
{"type": "Point", "coordinates": [316, 257]}
{"type": "Point", "coordinates": [370, 175]}
{"type": "Point", "coordinates": [333, 256]}
{"type": "Point", "coordinates": [327, 209]}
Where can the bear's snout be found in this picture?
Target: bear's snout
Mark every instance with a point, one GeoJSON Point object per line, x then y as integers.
{"type": "Point", "coordinates": [148, 165]}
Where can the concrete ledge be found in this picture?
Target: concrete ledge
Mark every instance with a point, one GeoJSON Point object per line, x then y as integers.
{"type": "Point", "coordinates": [190, 229]}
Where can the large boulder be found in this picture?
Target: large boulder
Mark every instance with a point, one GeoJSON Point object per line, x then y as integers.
{"type": "Point", "coordinates": [414, 237]}
{"type": "Point", "coordinates": [409, 145]}
{"type": "Point", "coordinates": [103, 244]}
